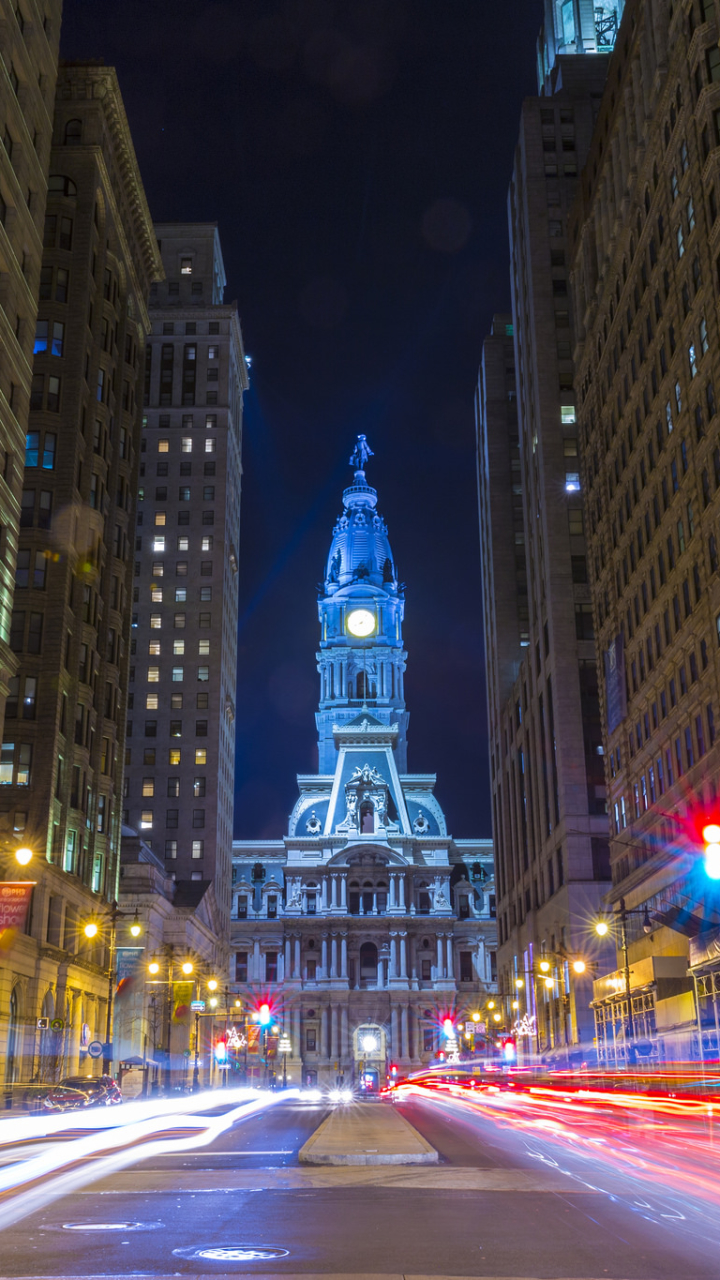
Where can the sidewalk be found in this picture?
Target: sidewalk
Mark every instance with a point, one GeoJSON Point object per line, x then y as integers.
{"type": "Point", "coordinates": [366, 1133]}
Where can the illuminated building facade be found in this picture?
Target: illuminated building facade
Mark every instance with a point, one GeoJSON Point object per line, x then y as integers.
{"type": "Point", "coordinates": [31, 35]}
{"type": "Point", "coordinates": [180, 764]}
{"type": "Point", "coordinates": [368, 924]}
{"type": "Point", "coordinates": [64, 736]}
{"type": "Point", "coordinates": [645, 252]}
{"type": "Point", "coordinates": [547, 775]}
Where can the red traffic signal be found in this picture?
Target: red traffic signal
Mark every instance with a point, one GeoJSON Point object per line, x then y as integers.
{"type": "Point", "coordinates": [711, 850]}
{"type": "Point", "coordinates": [220, 1051]}
{"type": "Point", "coordinates": [264, 1014]}
{"type": "Point", "coordinates": [393, 1069]}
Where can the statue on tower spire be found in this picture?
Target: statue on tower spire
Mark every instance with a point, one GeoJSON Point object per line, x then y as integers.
{"type": "Point", "coordinates": [361, 453]}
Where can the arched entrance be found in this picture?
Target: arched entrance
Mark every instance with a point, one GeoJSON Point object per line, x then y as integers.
{"type": "Point", "coordinates": [369, 1055]}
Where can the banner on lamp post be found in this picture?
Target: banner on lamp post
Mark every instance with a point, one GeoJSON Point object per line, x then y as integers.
{"type": "Point", "coordinates": [128, 959]}
{"type": "Point", "coordinates": [182, 999]}
{"type": "Point", "coordinates": [14, 902]}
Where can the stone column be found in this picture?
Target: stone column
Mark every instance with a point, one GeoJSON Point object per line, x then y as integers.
{"type": "Point", "coordinates": [324, 893]}
{"type": "Point", "coordinates": [450, 967]}
{"type": "Point", "coordinates": [395, 1032]}
{"type": "Point", "coordinates": [297, 973]}
{"type": "Point", "coordinates": [393, 955]}
{"type": "Point", "coordinates": [333, 891]}
{"type": "Point", "coordinates": [281, 967]}
{"type": "Point", "coordinates": [392, 901]}
{"type": "Point", "coordinates": [403, 955]}
{"type": "Point", "coordinates": [296, 1045]}
{"type": "Point", "coordinates": [288, 967]}
{"type": "Point", "coordinates": [402, 892]}
{"type": "Point", "coordinates": [344, 1033]}
{"type": "Point", "coordinates": [333, 956]}
{"type": "Point", "coordinates": [374, 902]}
{"type": "Point", "coordinates": [381, 973]}
{"type": "Point", "coordinates": [405, 1032]}
{"type": "Point", "coordinates": [256, 961]}
{"type": "Point", "coordinates": [324, 958]}
{"type": "Point", "coordinates": [327, 1019]}
{"type": "Point", "coordinates": [343, 957]}
{"type": "Point", "coordinates": [440, 964]}
{"type": "Point", "coordinates": [343, 892]}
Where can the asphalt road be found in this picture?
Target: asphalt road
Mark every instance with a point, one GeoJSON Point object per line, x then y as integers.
{"type": "Point", "coordinates": [506, 1201]}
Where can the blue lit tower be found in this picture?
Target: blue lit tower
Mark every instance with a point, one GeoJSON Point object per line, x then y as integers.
{"type": "Point", "coordinates": [361, 659]}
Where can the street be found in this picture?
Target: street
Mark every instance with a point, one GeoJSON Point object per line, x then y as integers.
{"type": "Point", "coordinates": [511, 1197]}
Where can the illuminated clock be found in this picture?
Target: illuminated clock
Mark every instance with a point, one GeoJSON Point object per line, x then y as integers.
{"type": "Point", "coordinates": [361, 623]}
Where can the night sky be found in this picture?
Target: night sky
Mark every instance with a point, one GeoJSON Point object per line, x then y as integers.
{"type": "Point", "coordinates": [356, 156]}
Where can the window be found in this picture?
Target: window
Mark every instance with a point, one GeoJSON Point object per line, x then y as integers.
{"type": "Point", "coordinates": [177, 674]}
{"type": "Point", "coordinates": [146, 819]}
{"type": "Point", "coordinates": [174, 756]}
{"type": "Point", "coordinates": [201, 752]}
{"type": "Point", "coordinates": [186, 266]}
{"type": "Point", "coordinates": [198, 818]}
{"type": "Point", "coordinates": [148, 786]}
{"type": "Point", "coordinates": [203, 673]}
{"type": "Point", "coordinates": [241, 963]}
{"type": "Point", "coordinates": [171, 847]}
{"type": "Point", "coordinates": [198, 848]}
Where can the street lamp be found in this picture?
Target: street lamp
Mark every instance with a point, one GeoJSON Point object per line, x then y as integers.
{"type": "Point", "coordinates": [23, 855]}
{"type": "Point", "coordinates": [602, 928]}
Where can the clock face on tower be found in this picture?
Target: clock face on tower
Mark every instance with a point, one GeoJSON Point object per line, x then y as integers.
{"type": "Point", "coordinates": [361, 623]}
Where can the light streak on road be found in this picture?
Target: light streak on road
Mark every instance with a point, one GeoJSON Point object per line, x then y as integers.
{"type": "Point", "coordinates": [125, 1139]}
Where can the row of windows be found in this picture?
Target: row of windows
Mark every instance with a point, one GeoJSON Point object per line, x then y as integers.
{"type": "Point", "coordinates": [186, 444]}
{"type": "Point", "coordinates": [197, 847]}
{"type": "Point", "coordinates": [161, 495]}
{"type": "Point", "coordinates": [150, 756]}
{"type": "Point", "coordinates": [170, 327]}
{"type": "Point", "coordinates": [680, 755]}
{"type": "Point", "coordinates": [181, 568]}
{"type": "Point", "coordinates": [175, 730]}
{"type": "Point", "coordinates": [178, 674]}
{"type": "Point", "coordinates": [172, 818]}
{"type": "Point", "coordinates": [188, 422]}
{"type": "Point", "coordinates": [178, 648]}
{"type": "Point", "coordinates": [15, 764]}
{"type": "Point", "coordinates": [160, 518]}
{"type": "Point", "coordinates": [152, 702]}
{"type": "Point", "coordinates": [173, 787]}
{"type": "Point", "coordinates": [179, 595]}
{"type": "Point", "coordinates": [162, 468]}
{"type": "Point", "coordinates": [159, 542]}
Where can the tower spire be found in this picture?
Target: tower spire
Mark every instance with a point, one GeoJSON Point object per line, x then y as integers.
{"type": "Point", "coordinates": [361, 659]}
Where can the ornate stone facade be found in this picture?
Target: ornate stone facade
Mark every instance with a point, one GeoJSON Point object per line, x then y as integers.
{"type": "Point", "coordinates": [368, 923]}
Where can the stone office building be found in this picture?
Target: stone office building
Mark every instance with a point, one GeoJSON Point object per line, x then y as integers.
{"type": "Point", "coordinates": [64, 738]}
{"type": "Point", "coordinates": [368, 923]}
{"type": "Point", "coordinates": [645, 250]}
{"type": "Point", "coordinates": [547, 776]}
{"type": "Point", "coordinates": [180, 764]}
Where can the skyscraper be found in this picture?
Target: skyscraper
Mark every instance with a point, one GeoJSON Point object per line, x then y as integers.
{"type": "Point", "coordinates": [645, 258]}
{"type": "Point", "coordinates": [368, 927]}
{"type": "Point", "coordinates": [181, 732]}
{"type": "Point", "coordinates": [62, 751]}
{"type": "Point", "coordinates": [547, 777]}
{"type": "Point", "coordinates": [31, 35]}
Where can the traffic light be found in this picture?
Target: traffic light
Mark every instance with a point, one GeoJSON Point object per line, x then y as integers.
{"type": "Point", "coordinates": [264, 1015]}
{"type": "Point", "coordinates": [448, 1026]}
{"type": "Point", "coordinates": [509, 1049]}
{"type": "Point", "coordinates": [220, 1051]}
{"type": "Point", "coordinates": [393, 1071]}
{"type": "Point", "coordinates": [711, 842]}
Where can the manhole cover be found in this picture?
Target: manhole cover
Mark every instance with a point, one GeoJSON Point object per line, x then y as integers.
{"type": "Point", "coordinates": [109, 1226]}
{"type": "Point", "coordinates": [234, 1253]}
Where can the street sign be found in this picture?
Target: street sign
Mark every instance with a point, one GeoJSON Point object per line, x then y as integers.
{"type": "Point", "coordinates": [285, 1046]}
{"type": "Point", "coordinates": [197, 1006]}
{"type": "Point", "coordinates": [470, 1027]}
{"type": "Point", "coordinates": [95, 1049]}
{"type": "Point", "coordinates": [57, 1024]}
{"type": "Point", "coordinates": [43, 1024]}
{"type": "Point", "coordinates": [187, 1053]}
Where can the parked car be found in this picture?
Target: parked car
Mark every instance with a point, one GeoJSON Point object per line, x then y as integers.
{"type": "Point", "coordinates": [77, 1092]}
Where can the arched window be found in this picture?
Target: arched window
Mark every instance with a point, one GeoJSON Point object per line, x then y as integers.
{"type": "Point", "coordinates": [12, 1060]}
{"type": "Point", "coordinates": [367, 818]}
{"type": "Point", "coordinates": [73, 133]}
{"type": "Point", "coordinates": [368, 962]}
{"type": "Point", "coordinates": [59, 185]}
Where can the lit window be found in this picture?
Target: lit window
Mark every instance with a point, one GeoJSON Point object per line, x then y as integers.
{"type": "Point", "coordinates": [180, 595]}
{"type": "Point", "coordinates": [572, 482]}
{"type": "Point", "coordinates": [567, 414]}
{"type": "Point", "coordinates": [153, 675]}
{"type": "Point", "coordinates": [183, 544]}
{"type": "Point", "coordinates": [207, 543]}
{"type": "Point", "coordinates": [174, 755]}
{"type": "Point", "coordinates": [157, 569]}
{"type": "Point", "coordinates": [186, 266]}
{"type": "Point", "coordinates": [203, 648]}
{"type": "Point", "coordinates": [181, 568]}
{"type": "Point", "coordinates": [177, 674]}
{"type": "Point", "coordinates": [6, 763]}
{"type": "Point", "coordinates": [171, 847]}
{"type": "Point", "coordinates": [151, 702]}
{"type": "Point", "coordinates": [159, 543]}
{"type": "Point", "coordinates": [156, 595]}
{"type": "Point", "coordinates": [209, 444]}
{"type": "Point", "coordinates": [146, 819]}
{"type": "Point", "coordinates": [187, 444]}
{"type": "Point", "coordinates": [155, 621]}
{"type": "Point", "coordinates": [203, 673]}
{"type": "Point", "coordinates": [213, 353]}
{"type": "Point", "coordinates": [159, 519]}
{"type": "Point", "coordinates": [179, 621]}
{"type": "Point", "coordinates": [148, 786]}
{"type": "Point", "coordinates": [200, 755]}
{"type": "Point", "coordinates": [198, 848]}
{"type": "Point", "coordinates": [163, 446]}
{"type": "Point", "coordinates": [154, 648]}
{"type": "Point", "coordinates": [178, 646]}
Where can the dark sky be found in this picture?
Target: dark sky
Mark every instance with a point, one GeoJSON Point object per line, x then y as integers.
{"type": "Point", "coordinates": [356, 156]}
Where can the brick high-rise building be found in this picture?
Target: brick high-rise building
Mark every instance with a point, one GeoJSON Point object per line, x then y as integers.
{"type": "Point", "coordinates": [181, 735]}
{"type": "Point", "coordinates": [30, 38]}
{"type": "Point", "coordinates": [647, 286]}
{"type": "Point", "coordinates": [63, 745]}
{"type": "Point", "coordinates": [547, 777]}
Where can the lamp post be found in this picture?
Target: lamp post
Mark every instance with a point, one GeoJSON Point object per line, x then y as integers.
{"type": "Point", "coordinates": [602, 928]}
{"type": "Point", "coordinates": [91, 929]}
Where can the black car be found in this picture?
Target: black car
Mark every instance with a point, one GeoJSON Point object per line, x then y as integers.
{"type": "Point", "coordinates": [78, 1092]}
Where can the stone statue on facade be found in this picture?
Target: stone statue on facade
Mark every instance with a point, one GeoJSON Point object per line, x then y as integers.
{"type": "Point", "coordinates": [440, 900]}
{"type": "Point", "coordinates": [313, 825]}
{"type": "Point", "coordinates": [334, 570]}
{"type": "Point", "coordinates": [421, 826]}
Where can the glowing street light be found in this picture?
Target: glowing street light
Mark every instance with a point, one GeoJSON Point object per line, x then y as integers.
{"type": "Point", "coordinates": [476, 1017]}
{"type": "Point", "coordinates": [91, 929]}
{"type": "Point", "coordinates": [153, 967]}
{"type": "Point", "coordinates": [602, 928]}
{"type": "Point", "coordinates": [212, 984]}
{"type": "Point", "coordinates": [186, 967]}
{"type": "Point", "coordinates": [544, 966]}
{"type": "Point", "coordinates": [519, 982]}
{"type": "Point", "coordinates": [491, 1004]}
{"type": "Point", "coordinates": [579, 966]}
{"type": "Point", "coordinates": [497, 1017]}
{"type": "Point", "coordinates": [23, 855]}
